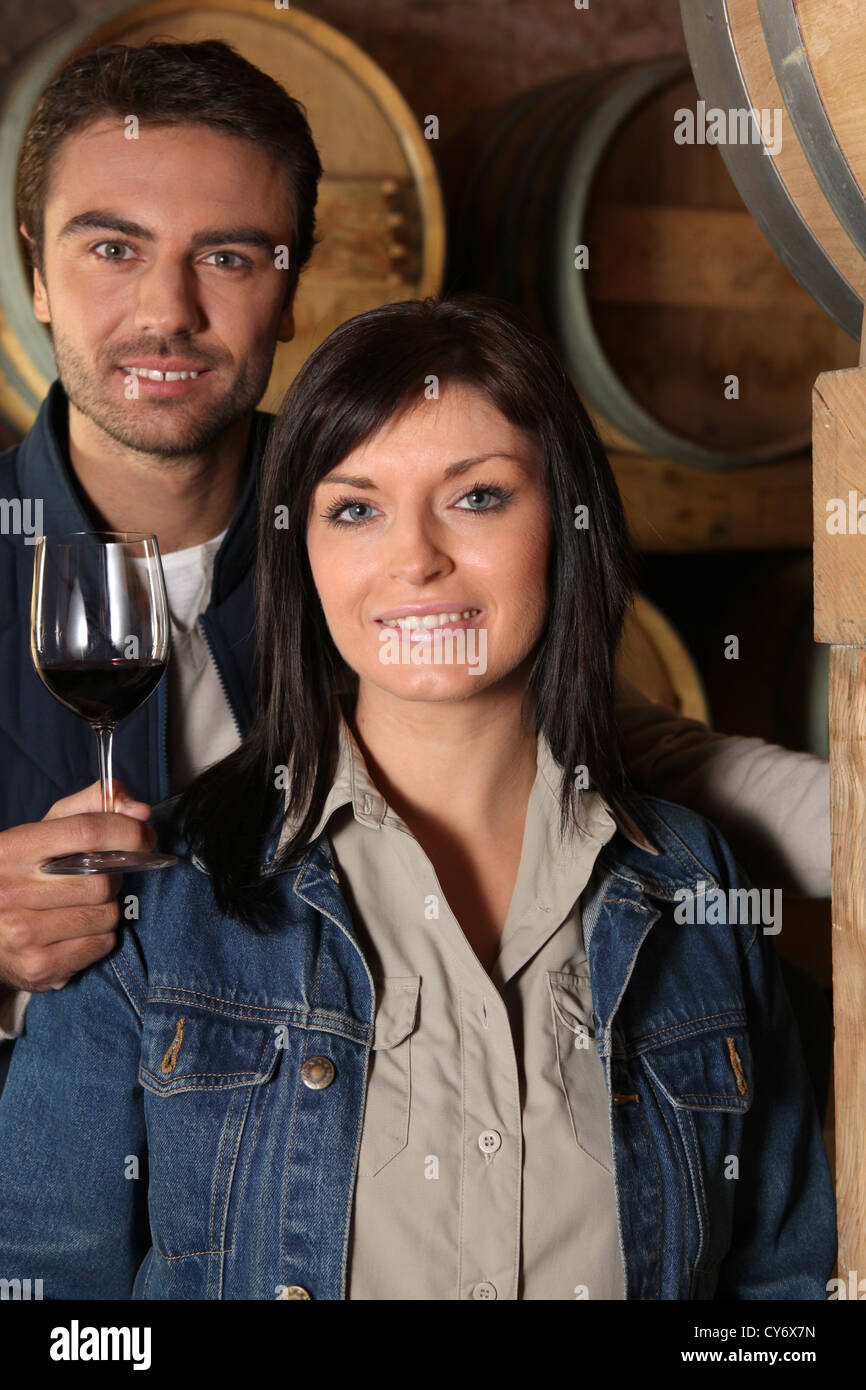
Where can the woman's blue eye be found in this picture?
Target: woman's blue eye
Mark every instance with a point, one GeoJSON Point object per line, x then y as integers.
{"type": "Point", "coordinates": [335, 515]}
{"type": "Point", "coordinates": [483, 492]}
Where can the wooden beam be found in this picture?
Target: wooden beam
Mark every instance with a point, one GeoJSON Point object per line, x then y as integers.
{"type": "Point", "coordinates": [839, 481]}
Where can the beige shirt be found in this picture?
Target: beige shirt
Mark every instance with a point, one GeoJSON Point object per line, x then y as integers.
{"type": "Point", "coordinates": [485, 1168]}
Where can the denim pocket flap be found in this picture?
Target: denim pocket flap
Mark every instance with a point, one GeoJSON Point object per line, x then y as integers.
{"type": "Point", "coordinates": [185, 1047]}
{"type": "Point", "coordinates": [712, 1071]}
{"type": "Point", "coordinates": [396, 1009]}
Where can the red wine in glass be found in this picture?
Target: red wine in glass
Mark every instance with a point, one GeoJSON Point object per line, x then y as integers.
{"type": "Point", "coordinates": [102, 691]}
{"type": "Point", "coordinates": [100, 640]}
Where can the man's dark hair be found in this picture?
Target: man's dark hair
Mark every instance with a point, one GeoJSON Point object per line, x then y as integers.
{"type": "Point", "coordinates": [362, 375]}
{"type": "Point", "coordinates": [161, 83]}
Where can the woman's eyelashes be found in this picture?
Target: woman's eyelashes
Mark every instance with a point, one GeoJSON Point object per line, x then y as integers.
{"type": "Point", "coordinates": [503, 496]}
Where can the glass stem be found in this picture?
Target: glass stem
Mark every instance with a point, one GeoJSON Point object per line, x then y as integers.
{"type": "Point", "coordinates": [104, 739]}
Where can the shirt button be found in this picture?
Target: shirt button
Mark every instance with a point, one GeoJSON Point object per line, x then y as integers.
{"type": "Point", "coordinates": [488, 1142]}
{"type": "Point", "coordinates": [294, 1291]}
{"type": "Point", "coordinates": [335, 876]}
{"type": "Point", "coordinates": [484, 1290]}
{"type": "Point", "coordinates": [318, 1072]}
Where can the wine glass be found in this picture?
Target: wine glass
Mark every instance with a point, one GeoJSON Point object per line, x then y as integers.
{"type": "Point", "coordinates": [100, 640]}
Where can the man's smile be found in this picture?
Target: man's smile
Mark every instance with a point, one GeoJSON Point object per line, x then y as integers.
{"type": "Point", "coordinates": [166, 381]}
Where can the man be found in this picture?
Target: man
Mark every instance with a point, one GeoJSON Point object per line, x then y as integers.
{"type": "Point", "coordinates": [221, 174]}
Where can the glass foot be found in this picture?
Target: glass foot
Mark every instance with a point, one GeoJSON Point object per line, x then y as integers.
{"type": "Point", "coordinates": [109, 861]}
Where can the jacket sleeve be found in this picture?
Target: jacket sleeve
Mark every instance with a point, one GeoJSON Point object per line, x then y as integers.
{"type": "Point", "coordinates": [73, 1172]}
{"type": "Point", "coordinates": [783, 1243]}
{"type": "Point", "coordinates": [771, 804]}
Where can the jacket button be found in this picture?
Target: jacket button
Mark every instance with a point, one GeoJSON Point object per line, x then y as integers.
{"type": "Point", "coordinates": [318, 1072]}
{"type": "Point", "coordinates": [294, 1291]}
{"type": "Point", "coordinates": [484, 1290]}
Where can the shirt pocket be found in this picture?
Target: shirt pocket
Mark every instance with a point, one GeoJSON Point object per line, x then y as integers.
{"type": "Point", "coordinates": [581, 1074]}
{"type": "Point", "coordinates": [205, 1073]}
{"type": "Point", "coordinates": [389, 1079]}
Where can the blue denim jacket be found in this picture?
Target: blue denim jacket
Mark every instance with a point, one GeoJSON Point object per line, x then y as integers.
{"type": "Point", "coordinates": [183, 1120]}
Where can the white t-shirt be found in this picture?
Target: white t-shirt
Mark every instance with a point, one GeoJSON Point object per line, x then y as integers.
{"type": "Point", "coordinates": [201, 726]}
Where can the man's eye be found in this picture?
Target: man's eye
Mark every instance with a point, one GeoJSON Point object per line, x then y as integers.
{"type": "Point", "coordinates": [233, 260]}
{"type": "Point", "coordinates": [239, 260]}
{"type": "Point", "coordinates": [118, 245]}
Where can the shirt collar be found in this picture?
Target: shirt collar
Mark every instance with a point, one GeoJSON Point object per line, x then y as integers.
{"type": "Point", "coordinates": [352, 785]}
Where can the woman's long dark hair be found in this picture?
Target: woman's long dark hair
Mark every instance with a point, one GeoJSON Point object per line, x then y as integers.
{"type": "Point", "coordinates": [363, 373]}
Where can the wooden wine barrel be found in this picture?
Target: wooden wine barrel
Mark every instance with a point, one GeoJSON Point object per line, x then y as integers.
{"type": "Point", "coordinates": [380, 214]}
{"type": "Point", "coordinates": [805, 59]}
{"type": "Point", "coordinates": [680, 292]}
{"type": "Point", "coordinates": [653, 657]}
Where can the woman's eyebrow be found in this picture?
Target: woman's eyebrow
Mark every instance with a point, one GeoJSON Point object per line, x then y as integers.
{"type": "Point", "coordinates": [452, 471]}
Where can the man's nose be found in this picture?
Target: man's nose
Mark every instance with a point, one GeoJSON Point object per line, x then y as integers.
{"type": "Point", "coordinates": [168, 301]}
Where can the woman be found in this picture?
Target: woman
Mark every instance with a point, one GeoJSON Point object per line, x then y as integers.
{"type": "Point", "coordinates": [426, 1009]}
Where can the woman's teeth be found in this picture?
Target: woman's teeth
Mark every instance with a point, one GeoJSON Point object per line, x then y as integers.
{"type": "Point", "coordinates": [429, 619]}
{"type": "Point", "coordinates": [159, 376]}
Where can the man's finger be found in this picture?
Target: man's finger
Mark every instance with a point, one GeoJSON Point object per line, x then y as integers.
{"type": "Point", "coordinates": [90, 799]}
{"type": "Point", "coordinates": [38, 892]}
{"type": "Point", "coordinates": [22, 933]}
{"type": "Point", "coordinates": [32, 845]}
{"type": "Point", "coordinates": [54, 967]}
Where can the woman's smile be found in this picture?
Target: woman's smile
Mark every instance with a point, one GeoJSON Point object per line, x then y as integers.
{"type": "Point", "coordinates": [421, 622]}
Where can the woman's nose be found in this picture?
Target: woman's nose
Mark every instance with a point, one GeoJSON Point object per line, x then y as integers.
{"type": "Point", "coordinates": [415, 549]}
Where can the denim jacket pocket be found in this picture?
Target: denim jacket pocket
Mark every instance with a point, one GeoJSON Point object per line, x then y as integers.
{"type": "Point", "coordinates": [581, 1072]}
{"type": "Point", "coordinates": [710, 1070]}
{"type": "Point", "coordinates": [389, 1081]}
{"type": "Point", "coordinates": [706, 1077]}
{"type": "Point", "coordinates": [205, 1072]}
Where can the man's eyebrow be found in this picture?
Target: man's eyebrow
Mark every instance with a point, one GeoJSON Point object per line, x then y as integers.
{"type": "Point", "coordinates": [452, 471]}
{"type": "Point", "coordinates": [103, 220]}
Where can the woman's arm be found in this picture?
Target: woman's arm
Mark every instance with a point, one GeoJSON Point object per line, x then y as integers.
{"type": "Point", "coordinates": [73, 1171]}
{"type": "Point", "coordinates": [771, 804]}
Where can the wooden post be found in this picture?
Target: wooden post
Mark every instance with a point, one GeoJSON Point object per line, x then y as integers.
{"type": "Point", "coordinates": [839, 560]}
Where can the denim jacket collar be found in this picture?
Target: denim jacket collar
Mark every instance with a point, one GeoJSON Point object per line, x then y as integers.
{"type": "Point", "coordinates": [620, 906]}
